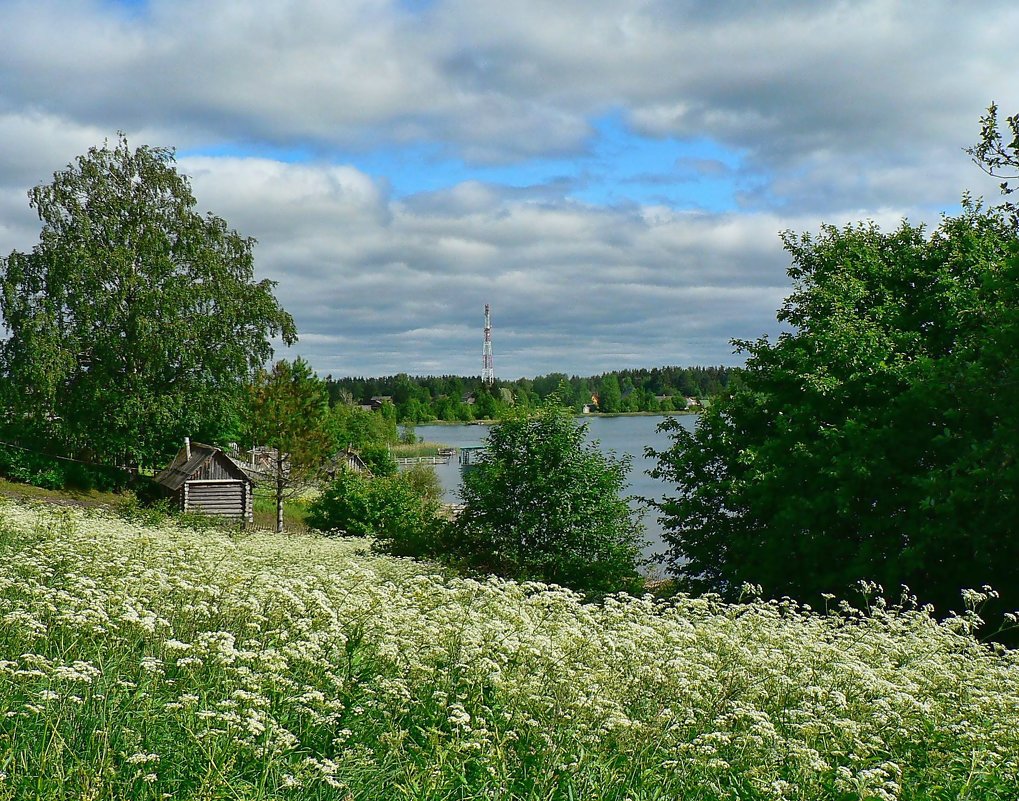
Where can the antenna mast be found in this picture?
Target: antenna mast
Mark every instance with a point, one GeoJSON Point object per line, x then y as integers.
{"type": "Point", "coordinates": [488, 368]}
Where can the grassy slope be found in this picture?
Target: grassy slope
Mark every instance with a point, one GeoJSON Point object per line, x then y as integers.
{"type": "Point", "coordinates": [138, 661]}
{"type": "Point", "coordinates": [66, 497]}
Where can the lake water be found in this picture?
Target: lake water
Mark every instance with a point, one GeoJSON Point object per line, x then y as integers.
{"type": "Point", "coordinates": [623, 435]}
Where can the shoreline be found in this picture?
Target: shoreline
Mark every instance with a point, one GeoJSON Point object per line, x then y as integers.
{"type": "Point", "coordinates": [488, 421]}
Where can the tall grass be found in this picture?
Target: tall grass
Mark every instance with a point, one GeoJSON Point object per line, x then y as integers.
{"type": "Point", "coordinates": [405, 450]}
{"type": "Point", "coordinates": [141, 662]}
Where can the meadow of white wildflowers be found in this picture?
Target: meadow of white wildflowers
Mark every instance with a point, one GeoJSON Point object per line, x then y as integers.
{"type": "Point", "coordinates": [159, 662]}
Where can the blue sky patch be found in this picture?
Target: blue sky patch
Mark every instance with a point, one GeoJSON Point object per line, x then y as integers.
{"type": "Point", "coordinates": [618, 168]}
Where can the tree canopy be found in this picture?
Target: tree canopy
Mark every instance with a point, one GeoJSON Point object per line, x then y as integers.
{"type": "Point", "coordinates": [420, 399]}
{"type": "Point", "coordinates": [134, 321]}
{"type": "Point", "coordinates": [545, 504]}
{"type": "Point", "coordinates": [874, 440]}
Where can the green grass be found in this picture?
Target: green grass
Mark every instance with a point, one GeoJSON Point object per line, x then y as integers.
{"type": "Point", "coordinates": [295, 512]}
{"type": "Point", "coordinates": [144, 662]}
{"type": "Point", "coordinates": [67, 497]}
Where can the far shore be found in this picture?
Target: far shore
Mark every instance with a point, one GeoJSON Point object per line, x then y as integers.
{"type": "Point", "coordinates": [491, 421]}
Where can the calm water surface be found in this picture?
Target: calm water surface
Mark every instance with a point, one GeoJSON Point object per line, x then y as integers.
{"type": "Point", "coordinates": [626, 436]}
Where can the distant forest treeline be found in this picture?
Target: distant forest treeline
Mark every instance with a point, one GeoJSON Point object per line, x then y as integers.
{"type": "Point", "coordinates": [420, 399]}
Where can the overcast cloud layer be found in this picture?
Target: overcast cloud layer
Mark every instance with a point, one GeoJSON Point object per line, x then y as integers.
{"type": "Point", "coordinates": [610, 176]}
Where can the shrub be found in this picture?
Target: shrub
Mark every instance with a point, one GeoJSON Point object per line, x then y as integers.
{"type": "Point", "coordinates": [49, 472]}
{"type": "Point", "coordinates": [345, 507]}
{"type": "Point", "coordinates": [27, 468]}
{"type": "Point", "coordinates": [424, 480]}
{"type": "Point", "coordinates": [378, 459]}
{"type": "Point", "coordinates": [403, 521]}
{"type": "Point", "coordinates": [544, 504]}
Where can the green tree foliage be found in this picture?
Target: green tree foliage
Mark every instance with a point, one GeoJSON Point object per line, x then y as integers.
{"type": "Point", "coordinates": [408, 436]}
{"type": "Point", "coordinates": [486, 405]}
{"type": "Point", "coordinates": [420, 399]}
{"type": "Point", "coordinates": [289, 411]}
{"type": "Point", "coordinates": [610, 396]}
{"type": "Point", "coordinates": [40, 470]}
{"type": "Point", "coordinates": [997, 153]}
{"type": "Point", "coordinates": [378, 458]}
{"type": "Point", "coordinates": [877, 439]}
{"type": "Point", "coordinates": [358, 428]}
{"type": "Point", "coordinates": [396, 510]}
{"type": "Point", "coordinates": [545, 504]}
{"type": "Point", "coordinates": [424, 480]}
{"type": "Point", "coordinates": [135, 321]}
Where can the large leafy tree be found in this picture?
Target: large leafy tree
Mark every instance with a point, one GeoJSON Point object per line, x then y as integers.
{"type": "Point", "coordinates": [135, 320]}
{"type": "Point", "coordinates": [289, 412]}
{"type": "Point", "coordinates": [874, 440]}
{"type": "Point", "coordinates": [359, 428]}
{"type": "Point", "coordinates": [545, 504]}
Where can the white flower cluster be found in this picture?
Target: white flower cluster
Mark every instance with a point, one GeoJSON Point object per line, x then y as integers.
{"type": "Point", "coordinates": [165, 659]}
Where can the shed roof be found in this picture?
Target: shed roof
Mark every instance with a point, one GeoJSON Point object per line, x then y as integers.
{"type": "Point", "coordinates": [182, 468]}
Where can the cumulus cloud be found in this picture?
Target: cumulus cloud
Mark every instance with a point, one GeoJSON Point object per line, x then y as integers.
{"type": "Point", "coordinates": [813, 112]}
{"type": "Point", "coordinates": [381, 286]}
{"type": "Point", "coordinates": [498, 81]}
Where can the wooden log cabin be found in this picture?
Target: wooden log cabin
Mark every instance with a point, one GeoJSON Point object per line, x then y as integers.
{"type": "Point", "coordinates": [202, 478]}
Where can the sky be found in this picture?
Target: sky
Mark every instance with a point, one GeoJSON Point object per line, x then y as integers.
{"type": "Point", "coordinates": [612, 177]}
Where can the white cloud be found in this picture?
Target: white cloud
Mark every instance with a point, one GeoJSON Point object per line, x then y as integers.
{"type": "Point", "coordinates": [387, 288]}
{"type": "Point", "coordinates": [836, 112]}
{"type": "Point", "coordinates": [497, 81]}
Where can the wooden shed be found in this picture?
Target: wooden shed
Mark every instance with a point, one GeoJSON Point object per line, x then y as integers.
{"type": "Point", "coordinates": [202, 478]}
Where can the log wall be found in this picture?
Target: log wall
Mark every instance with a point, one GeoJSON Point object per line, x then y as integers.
{"type": "Point", "coordinates": [220, 497]}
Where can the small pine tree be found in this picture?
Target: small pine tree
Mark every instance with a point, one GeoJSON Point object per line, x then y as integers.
{"type": "Point", "coordinates": [289, 409]}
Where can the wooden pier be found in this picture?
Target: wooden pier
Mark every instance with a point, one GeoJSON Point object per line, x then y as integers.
{"type": "Point", "coordinates": [444, 459]}
{"type": "Point", "coordinates": [444, 456]}
{"type": "Point", "coordinates": [465, 456]}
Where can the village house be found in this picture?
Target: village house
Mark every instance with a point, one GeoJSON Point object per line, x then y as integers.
{"type": "Point", "coordinates": [202, 478]}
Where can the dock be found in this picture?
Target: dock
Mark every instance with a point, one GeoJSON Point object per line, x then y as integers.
{"type": "Point", "coordinates": [443, 459]}
{"type": "Point", "coordinates": [444, 456]}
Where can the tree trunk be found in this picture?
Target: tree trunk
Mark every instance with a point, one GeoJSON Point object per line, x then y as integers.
{"type": "Point", "coordinates": [279, 495]}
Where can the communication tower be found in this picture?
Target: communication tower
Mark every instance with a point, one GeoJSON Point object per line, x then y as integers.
{"type": "Point", "coordinates": [488, 368]}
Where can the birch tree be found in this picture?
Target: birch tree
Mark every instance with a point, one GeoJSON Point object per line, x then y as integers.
{"type": "Point", "coordinates": [135, 321]}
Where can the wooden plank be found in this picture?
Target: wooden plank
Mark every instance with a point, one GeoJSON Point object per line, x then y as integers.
{"type": "Point", "coordinates": [222, 498]}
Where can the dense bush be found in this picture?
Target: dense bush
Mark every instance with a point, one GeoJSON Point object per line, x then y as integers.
{"type": "Point", "coordinates": [402, 519]}
{"type": "Point", "coordinates": [543, 503]}
{"type": "Point", "coordinates": [379, 459]}
{"type": "Point", "coordinates": [424, 480]}
{"type": "Point", "coordinates": [40, 470]}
